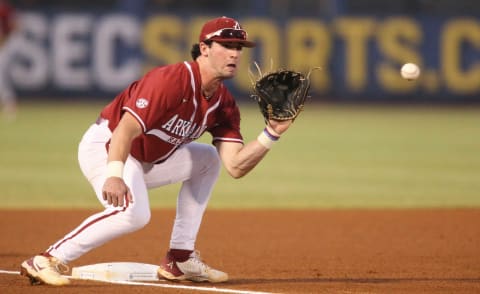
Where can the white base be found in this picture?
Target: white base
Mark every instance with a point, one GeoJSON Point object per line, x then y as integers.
{"type": "Point", "coordinates": [117, 271]}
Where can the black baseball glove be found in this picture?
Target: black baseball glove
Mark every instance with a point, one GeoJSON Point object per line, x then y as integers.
{"type": "Point", "coordinates": [281, 94]}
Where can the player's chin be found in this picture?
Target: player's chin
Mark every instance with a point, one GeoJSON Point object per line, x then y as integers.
{"type": "Point", "coordinates": [230, 71]}
{"type": "Point", "coordinates": [229, 75]}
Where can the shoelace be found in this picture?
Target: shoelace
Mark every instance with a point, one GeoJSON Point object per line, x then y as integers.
{"type": "Point", "coordinates": [195, 256]}
{"type": "Point", "coordinates": [59, 266]}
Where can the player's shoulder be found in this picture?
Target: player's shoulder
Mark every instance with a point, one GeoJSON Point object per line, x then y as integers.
{"type": "Point", "coordinates": [172, 77]}
{"type": "Point", "coordinates": [168, 70]}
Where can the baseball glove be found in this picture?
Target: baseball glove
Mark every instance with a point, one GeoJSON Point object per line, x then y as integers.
{"type": "Point", "coordinates": [281, 94]}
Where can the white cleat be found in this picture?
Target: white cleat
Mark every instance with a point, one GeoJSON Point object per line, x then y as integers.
{"type": "Point", "coordinates": [194, 269]}
{"type": "Point", "coordinates": [44, 270]}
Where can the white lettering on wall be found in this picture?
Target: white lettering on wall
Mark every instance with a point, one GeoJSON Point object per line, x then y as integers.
{"type": "Point", "coordinates": [70, 50]}
{"type": "Point", "coordinates": [77, 52]}
{"type": "Point", "coordinates": [115, 31]}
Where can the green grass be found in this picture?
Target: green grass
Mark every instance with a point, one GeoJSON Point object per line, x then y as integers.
{"type": "Point", "coordinates": [332, 157]}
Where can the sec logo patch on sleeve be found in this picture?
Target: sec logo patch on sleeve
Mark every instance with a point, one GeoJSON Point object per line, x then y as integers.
{"type": "Point", "coordinates": [141, 103]}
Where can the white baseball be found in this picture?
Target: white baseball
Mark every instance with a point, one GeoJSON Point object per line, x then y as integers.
{"type": "Point", "coordinates": [410, 71]}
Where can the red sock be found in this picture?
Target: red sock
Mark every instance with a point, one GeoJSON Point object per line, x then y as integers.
{"type": "Point", "coordinates": [180, 255]}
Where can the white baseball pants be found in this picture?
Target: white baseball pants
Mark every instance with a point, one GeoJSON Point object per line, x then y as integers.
{"type": "Point", "coordinates": [196, 165]}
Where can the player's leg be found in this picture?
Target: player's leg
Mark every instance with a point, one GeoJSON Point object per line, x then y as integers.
{"type": "Point", "coordinates": [197, 166]}
{"type": "Point", "coordinates": [101, 227]}
{"type": "Point", "coordinates": [113, 221]}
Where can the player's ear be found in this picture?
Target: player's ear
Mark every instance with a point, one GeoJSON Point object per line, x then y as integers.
{"type": "Point", "coordinates": [204, 48]}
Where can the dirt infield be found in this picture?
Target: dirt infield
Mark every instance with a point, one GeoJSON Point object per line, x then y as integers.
{"type": "Point", "coordinates": [395, 251]}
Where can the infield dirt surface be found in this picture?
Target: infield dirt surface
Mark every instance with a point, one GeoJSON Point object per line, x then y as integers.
{"type": "Point", "coordinates": [316, 251]}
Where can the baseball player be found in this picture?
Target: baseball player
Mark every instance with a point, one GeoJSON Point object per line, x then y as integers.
{"type": "Point", "coordinates": [7, 39]}
{"type": "Point", "coordinates": [145, 139]}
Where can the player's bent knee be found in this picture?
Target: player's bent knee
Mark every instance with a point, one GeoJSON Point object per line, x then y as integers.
{"type": "Point", "coordinates": [212, 158]}
{"type": "Point", "coordinates": [136, 221]}
{"type": "Point", "coordinates": [142, 220]}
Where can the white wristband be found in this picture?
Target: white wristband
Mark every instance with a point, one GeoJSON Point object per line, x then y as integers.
{"type": "Point", "coordinates": [267, 139]}
{"type": "Point", "coordinates": [115, 169]}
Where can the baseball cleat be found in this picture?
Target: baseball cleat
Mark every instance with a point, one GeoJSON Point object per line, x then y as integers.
{"type": "Point", "coordinates": [194, 269]}
{"type": "Point", "coordinates": [44, 270]}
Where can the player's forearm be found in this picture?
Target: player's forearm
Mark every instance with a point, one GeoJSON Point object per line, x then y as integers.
{"type": "Point", "coordinates": [117, 154]}
{"type": "Point", "coordinates": [119, 147]}
{"type": "Point", "coordinates": [247, 158]}
{"type": "Point", "coordinates": [120, 144]}
{"type": "Point", "coordinates": [240, 159]}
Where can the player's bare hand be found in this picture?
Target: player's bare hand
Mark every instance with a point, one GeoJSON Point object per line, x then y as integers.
{"type": "Point", "coordinates": [116, 192]}
{"type": "Point", "coordinates": [280, 126]}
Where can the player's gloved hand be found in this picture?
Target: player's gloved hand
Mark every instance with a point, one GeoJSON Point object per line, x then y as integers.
{"type": "Point", "coordinates": [280, 94]}
{"type": "Point", "coordinates": [116, 192]}
{"type": "Point", "coordinates": [279, 126]}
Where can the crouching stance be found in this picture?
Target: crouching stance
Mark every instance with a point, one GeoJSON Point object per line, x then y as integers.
{"type": "Point", "coordinates": [145, 139]}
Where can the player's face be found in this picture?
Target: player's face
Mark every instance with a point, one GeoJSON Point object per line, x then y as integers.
{"type": "Point", "coordinates": [225, 58]}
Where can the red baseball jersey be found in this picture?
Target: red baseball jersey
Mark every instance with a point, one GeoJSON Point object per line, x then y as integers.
{"type": "Point", "coordinates": [169, 105]}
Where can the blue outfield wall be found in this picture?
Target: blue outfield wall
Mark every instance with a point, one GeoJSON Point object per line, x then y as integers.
{"type": "Point", "coordinates": [84, 54]}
